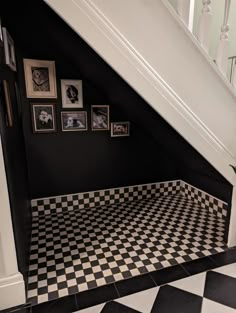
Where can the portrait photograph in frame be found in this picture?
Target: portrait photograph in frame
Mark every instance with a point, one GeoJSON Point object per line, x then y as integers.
{"type": "Point", "coordinates": [9, 49]}
{"type": "Point", "coordinates": [120, 129]}
{"type": "Point", "coordinates": [74, 121]}
{"type": "Point", "coordinates": [72, 93]}
{"type": "Point", "coordinates": [43, 117]}
{"type": "Point", "coordinates": [100, 118]}
{"type": "Point", "coordinates": [40, 78]}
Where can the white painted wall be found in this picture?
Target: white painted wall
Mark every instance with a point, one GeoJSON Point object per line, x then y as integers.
{"type": "Point", "coordinates": [148, 45]}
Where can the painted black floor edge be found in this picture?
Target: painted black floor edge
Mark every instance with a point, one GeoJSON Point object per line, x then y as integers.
{"type": "Point", "coordinates": [72, 303]}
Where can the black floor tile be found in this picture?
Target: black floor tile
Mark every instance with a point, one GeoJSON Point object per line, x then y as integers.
{"type": "Point", "coordinates": [220, 288]}
{"type": "Point", "coordinates": [199, 265]}
{"type": "Point", "coordinates": [96, 296]}
{"type": "Point", "coordinates": [168, 274]}
{"type": "Point", "coordinates": [114, 307]}
{"type": "Point", "coordinates": [224, 258]}
{"type": "Point", "coordinates": [25, 308]}
{"type": "Point", "coordinates": [61, 305]}
{"type": "Point", "coordinates": [135, 284]}
{"type": "Point", "coordinates": [174, 300]}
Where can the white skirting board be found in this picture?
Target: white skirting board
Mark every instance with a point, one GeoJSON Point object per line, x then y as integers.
{"type": "Point", "coordinates": [12, 291]}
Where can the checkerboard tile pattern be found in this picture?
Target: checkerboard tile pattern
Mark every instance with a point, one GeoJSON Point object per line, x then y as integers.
{"type": "Point", "coordinates": [206, 201]}
{"type": "Point", "coordinates": [102, 197]}
{"type": "Point", "coordinates": [82, 249]}
{"type": "Point", "coordinates": [208, 292]}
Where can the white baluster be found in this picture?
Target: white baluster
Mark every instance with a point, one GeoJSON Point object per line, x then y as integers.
{"type": "Point", "coordinates": [223, 47]}
{"type": "Point", "coordinates": [234, 76]}
{"type": "Point", "coordinates": [205, 25]}
{"type": "Point", "coordinates": [185, 9]}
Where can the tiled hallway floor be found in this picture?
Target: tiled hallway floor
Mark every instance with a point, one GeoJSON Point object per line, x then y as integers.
{"type": "Point", "coordinates": [81, 250]}
{"type": "Point", "coordinates": [207, 292]}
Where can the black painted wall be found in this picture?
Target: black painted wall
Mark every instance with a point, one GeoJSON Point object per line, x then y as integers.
{"type": "Point", "coordinates": [16, 170]}
{"type": "Point", "coordinates": [64, 163]}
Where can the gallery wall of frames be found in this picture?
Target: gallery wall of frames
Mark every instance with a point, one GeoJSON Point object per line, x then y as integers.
{"type": "Point", "coordinates": [41, 83]}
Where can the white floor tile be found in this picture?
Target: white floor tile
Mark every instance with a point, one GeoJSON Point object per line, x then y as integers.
{"type": "Point", "coordinates": [194, 284]}
{"type": "Point", "coordinates": [93, 309]}
{"type": "Point", "coordinates": [229, 270]}
{"type": "Point", "coordinates": [140, 301]}
{"type": "Point", "coordinates": [209, 306]}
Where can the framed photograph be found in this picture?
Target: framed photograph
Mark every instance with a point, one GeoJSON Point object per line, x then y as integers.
{"type": "Point", "coordinates": [40, 78]}
{"type": "Point", "coordinates": [8, 103]}
{"type": "Point", "coordinates": [1, 35]}
{"type": "Point", "coordinates": [72, 93]}
{"type": "Point", "coordinates": [120, 129]}
{"type": "Point", "coordinates": [43, 117]}
{"type": "Point", "coordinates": [100, 119]}
{"type": "Point", "coordinates": [9, 49]}
{"type": "Point", "coordinates": [74, 121]}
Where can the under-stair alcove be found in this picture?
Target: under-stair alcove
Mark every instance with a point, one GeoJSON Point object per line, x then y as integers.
{"type": "Point", "coordinates": [105, 210]}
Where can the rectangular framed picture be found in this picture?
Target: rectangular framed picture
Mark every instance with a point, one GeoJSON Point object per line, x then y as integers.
{"type": "Point", "coordinates": [9, 49]}
{"type": "Point", "coordinates": [72, 93]}
{"type": "Point", "coordinates": [100, 119]}
{"type": "Point", "coordinates": [40, 78]}
{"type": "Point", "coordinates": [120, 129]}
{"type": "Point", "coordinates": [74, 121]}
{"type": "Point", "coordinates": [43, 117]}
{"type": "Point", "coordinates": [1, 35]}
{"type": "Point", "coordinates": [8, 104]}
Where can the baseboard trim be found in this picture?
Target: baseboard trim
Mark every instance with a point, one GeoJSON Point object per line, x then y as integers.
{"type": "Point", "coordinates": [12, 291]}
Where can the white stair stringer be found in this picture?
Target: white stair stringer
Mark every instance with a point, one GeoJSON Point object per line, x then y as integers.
{"type": "Point", "coordinates": [149, 47]}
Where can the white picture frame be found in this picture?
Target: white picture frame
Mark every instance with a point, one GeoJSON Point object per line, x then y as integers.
{"type": "Point", "coordinates": [72, 93]}
{"type": "Point", "coordinates": [9, 49]}
{"type": "Point", "coordinates": [40, 79]}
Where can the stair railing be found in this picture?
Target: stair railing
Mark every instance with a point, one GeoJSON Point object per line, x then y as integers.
{"type": "Point", "coordinates": [184, 9]}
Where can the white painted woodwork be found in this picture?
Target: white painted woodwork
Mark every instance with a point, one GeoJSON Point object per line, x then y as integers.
{"type": "Point", "coordinates": [223, 47]}
{"type": "Point", "coordinates": [185, 9]}
{"type": "Point", "coordinates": [169, 69]}
{"type": "Point", "coordinates": [205, 25]}
{"type": "Point", "coordinates": [12, 287]}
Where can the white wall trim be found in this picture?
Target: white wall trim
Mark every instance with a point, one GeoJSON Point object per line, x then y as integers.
{"type": "Point", "coordinates": [12, 291]}
{"type": "Point", "coordinates": [12, 285]}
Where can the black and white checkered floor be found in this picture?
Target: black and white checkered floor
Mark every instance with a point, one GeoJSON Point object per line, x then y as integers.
{"type": "Point", "coordinates": [208, 292]}
{"type": "Point", "coordinates": [80, 250]}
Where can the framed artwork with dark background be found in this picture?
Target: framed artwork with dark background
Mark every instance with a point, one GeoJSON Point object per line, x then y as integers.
{"type": "Point", "coordinates": [100, 118]}
{"type": "Point", "coordinates": [43, 117]}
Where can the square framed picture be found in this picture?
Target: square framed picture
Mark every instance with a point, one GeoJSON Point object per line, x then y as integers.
{"type": "Point", "coordinates": [43, 117]}
{"type": "Point", "coordinates": [120, 129]}
{"type": "Point", "coordinates": [40, 78]}
{"type": "Point", "coordinates": [100, 119]}
{"type": "Point", "coordinates": [9, 49]}
{"type": "Point", "coordinates": [72, 93]}
{"type": "Point", "coordinates": [74, 121]}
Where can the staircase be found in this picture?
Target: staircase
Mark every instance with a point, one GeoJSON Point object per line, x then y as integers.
{"type": "Point", "coordinates": [150, 44]}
